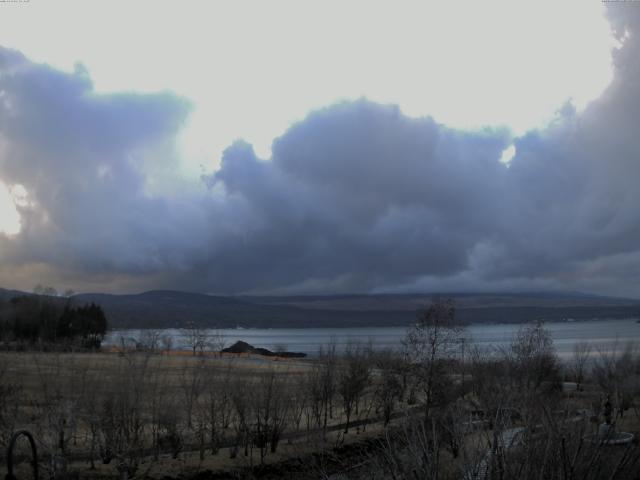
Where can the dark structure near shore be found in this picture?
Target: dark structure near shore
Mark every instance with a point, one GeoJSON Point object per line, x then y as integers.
{"type": "Point", "coordinates": [244, 347]}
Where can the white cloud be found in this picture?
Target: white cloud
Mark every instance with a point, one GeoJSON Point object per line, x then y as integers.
{"type": "Point", "coordinates": [9, 216]}
{"type": "Point", "coordinates": [252, 68]}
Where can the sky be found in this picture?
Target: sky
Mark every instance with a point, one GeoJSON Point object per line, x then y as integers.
{"type": "Point", "coordinates": [320, 147]}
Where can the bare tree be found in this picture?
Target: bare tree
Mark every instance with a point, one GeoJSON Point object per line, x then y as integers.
{"type": "Point", "coordinates": [240, 420]}
{"type": "Point", "coordinates": [167, 343]}
{"type": "Point", "coordinates": [217, 341]}
{"type": "Point", "coordinates": [492, 385]}
{"type": "Point", "coordinates": [430, 342]}
{"type": "Point", "coordinates": [534, 358]}
{"type": "Point", "coordinates": [270, 409]}
{"type": "Point", "coordinates": [195, 337]}
{"type": "Point", "coordinates": [11, 397]}
{"type": "Point", "coordinates": [581, 353]}
{"type": "Point", "coordinates": [170, 430]}
{"type": "Point", "coordinates": [217, 405]}
{"type": "Point", "coordinates": [150, 340]}
{"type": "Point", "coordinates": [322, 386]}
{"type": "Point", "coordinates": [353, 378]}
{"type": "Point", "coordinates": [409, 452]}
{"type": "Point", "coordinates": [615, 372]}
{"type": "Point", "coordinates": [122, 419]}
{"type": "Point", "coordinates": [388, 389]}
{"type": "Point", "coordinates": [55, 411]}
{"type": "Point", "coordinates": [90, 403]}
{"type": "Point", "coordinates": [533, 374]}
{"type": "Point", "coordinates": [191, 386]}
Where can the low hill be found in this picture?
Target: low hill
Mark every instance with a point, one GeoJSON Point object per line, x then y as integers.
{"type": "Point", "coordinates": [9, 294]}
{"type": "Point", "coordinates": [168, 308]}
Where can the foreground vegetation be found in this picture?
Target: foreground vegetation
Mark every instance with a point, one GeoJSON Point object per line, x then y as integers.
{"type": "Point", "coordinates": [438, 408]}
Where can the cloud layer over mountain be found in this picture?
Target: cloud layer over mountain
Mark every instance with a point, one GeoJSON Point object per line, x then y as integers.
{"type": "Point", "coordinates": [356, 197]}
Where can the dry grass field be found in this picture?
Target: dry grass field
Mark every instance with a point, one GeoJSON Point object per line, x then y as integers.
{"type": "Point", "coordinates": [161, 411]}
{"type": "Point", "coordinates": [363, 414]}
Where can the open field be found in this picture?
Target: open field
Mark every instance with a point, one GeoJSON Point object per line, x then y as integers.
{"type": "Point", "coordinates": [156, 407]}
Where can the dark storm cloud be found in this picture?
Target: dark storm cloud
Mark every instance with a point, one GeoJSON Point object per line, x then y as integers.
{"type": "Point", "coordinates": [356, 197]}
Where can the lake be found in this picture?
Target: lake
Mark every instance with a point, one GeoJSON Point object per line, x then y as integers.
{"type": "Point", "coordinates": [602, 334]}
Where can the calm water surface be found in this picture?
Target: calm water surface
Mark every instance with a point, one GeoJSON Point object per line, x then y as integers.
{"type": "Point", "coordinates": [602, 334]}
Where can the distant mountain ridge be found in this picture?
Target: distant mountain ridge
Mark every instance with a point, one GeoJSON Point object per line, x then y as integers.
{"type": "Point", "coordinates": [170, 308]}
